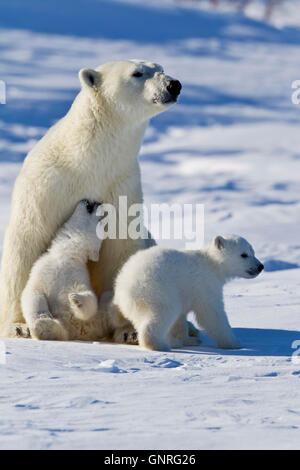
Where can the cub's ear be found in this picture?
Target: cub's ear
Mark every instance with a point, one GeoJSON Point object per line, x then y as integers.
{"type": "Point", "coordinates": [89, 77]}
{"type": "Point", "coordinates": [219, 242]}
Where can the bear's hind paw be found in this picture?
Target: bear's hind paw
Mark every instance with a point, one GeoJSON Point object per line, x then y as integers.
{"type": "Point", "coordinates": [48, 329]}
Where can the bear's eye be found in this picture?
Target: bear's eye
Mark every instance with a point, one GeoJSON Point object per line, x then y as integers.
{"type": "Point", "coordinates": [244, 255]}
{"type": "Point", "coordinates": [137, 74]}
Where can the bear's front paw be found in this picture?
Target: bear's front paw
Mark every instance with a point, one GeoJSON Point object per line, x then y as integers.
{"type": "Point", "coordinates": [21, 331]}
{"type": "Point", "coordinates": [48, 329]}
{"type": "Point", "coordinates": [126, 335]}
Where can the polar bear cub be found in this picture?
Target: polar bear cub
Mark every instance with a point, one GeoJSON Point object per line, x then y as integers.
{"type": "Point", "coordinates": [59, 285]}
{"type": "Point", "coordinates": [156, 288]}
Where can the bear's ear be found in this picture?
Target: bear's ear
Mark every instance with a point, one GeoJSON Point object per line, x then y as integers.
{"type": "Point", "coordinates": [219, 242]}
{"type": "Point", "coordinates": [89, 77]}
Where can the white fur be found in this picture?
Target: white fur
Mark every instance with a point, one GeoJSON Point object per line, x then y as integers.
{"type": "Point", "coordinates": [91, 153]}
{"type": "Point", "coordinates": [58, 302]}
{"type": "Point", "coordinates": [59, 288]}
{"type": "Point", "coordinates": [156, 288]}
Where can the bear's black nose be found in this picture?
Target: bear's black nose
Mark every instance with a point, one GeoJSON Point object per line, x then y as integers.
{"type": "Point", "coordinates": [260, 268]}
{"type": "Point", "coordinates": [174, 87]}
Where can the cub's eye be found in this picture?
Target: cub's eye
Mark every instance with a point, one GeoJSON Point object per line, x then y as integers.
{"type": "Point", "coordinates": [244, 255]}
{"type": "Point", "coordinates": [137, 74]}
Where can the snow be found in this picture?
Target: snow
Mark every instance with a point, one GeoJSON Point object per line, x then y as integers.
{"type": "Point", "coordinates": [102, 396]}
{"type": "Point", "coordinates": [231, 143]}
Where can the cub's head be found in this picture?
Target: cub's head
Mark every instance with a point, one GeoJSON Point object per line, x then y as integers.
{"type": "Point", "coordinates": [236, 256]}
{"type": "Point", "coordinates": [82, 228]}
{"type": "Point", "coordinates": [135, 89]}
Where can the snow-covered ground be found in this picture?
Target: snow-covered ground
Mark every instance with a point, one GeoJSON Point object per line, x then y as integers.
{"type": "Point", "coordinates": [232, 143]}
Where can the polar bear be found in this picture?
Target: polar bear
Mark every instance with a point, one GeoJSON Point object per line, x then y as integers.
{"type": "Point", "coordinates": [58, 302]}
{"type": "Point", "coordinates": [91, 153]}
{"type": "Point", "coordinates": [156, 288]}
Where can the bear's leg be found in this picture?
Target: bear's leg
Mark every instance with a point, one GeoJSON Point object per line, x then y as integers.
{"type": "Point", "coordinates": [151, 337]}
{"type": "Point", "coordinates": [216, 325]}
{"type": "Point", "coordinates": [193, 332]}
{"type": "Point", "coordinates": [154, 326]}
{"type": "Point", "coordinates": [179, 334]}
{"type": "Point", "coordinates": [110, 313]}
{"type": "Point", "coordinates": [41, 323]}
{"type": "Point", "coordinates": [84, 304]}
{"type": "Point", "coordinates": [17, 260]}
{"type": "Point", "coordinates": [110, 322]}
{"type": "Point", "coordinates": [34, 304]}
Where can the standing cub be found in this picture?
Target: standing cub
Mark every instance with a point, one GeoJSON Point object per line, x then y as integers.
{"type": "Point", "coordinates": [58, 302]}
{"type": "Point", "coordinates": [156, 288]}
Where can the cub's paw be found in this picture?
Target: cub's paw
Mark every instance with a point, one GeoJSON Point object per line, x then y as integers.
{"type": "Point", "coordinates": [46, 328]}
{"type": "Point", "coordinates": [126, 335]}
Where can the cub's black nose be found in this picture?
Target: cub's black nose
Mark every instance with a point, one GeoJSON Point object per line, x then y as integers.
{"type": "Point", "coordinates": [90, 205]}
{"type": "Point", "coordinates": [260, 268]}
{"type": "Point", "coordinates": [174, 87]}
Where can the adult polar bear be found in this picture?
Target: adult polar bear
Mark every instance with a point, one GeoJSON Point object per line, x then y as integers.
{"type": "Point", "coordinates": [91, 153]}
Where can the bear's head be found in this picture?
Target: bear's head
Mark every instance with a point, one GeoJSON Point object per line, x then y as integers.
{"type": "Point", "coordinates": [236, 257]}
{"type": "Point", "coordinates": [82, 229]}
{"type": "Point", "coordinates": [136, 90]}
